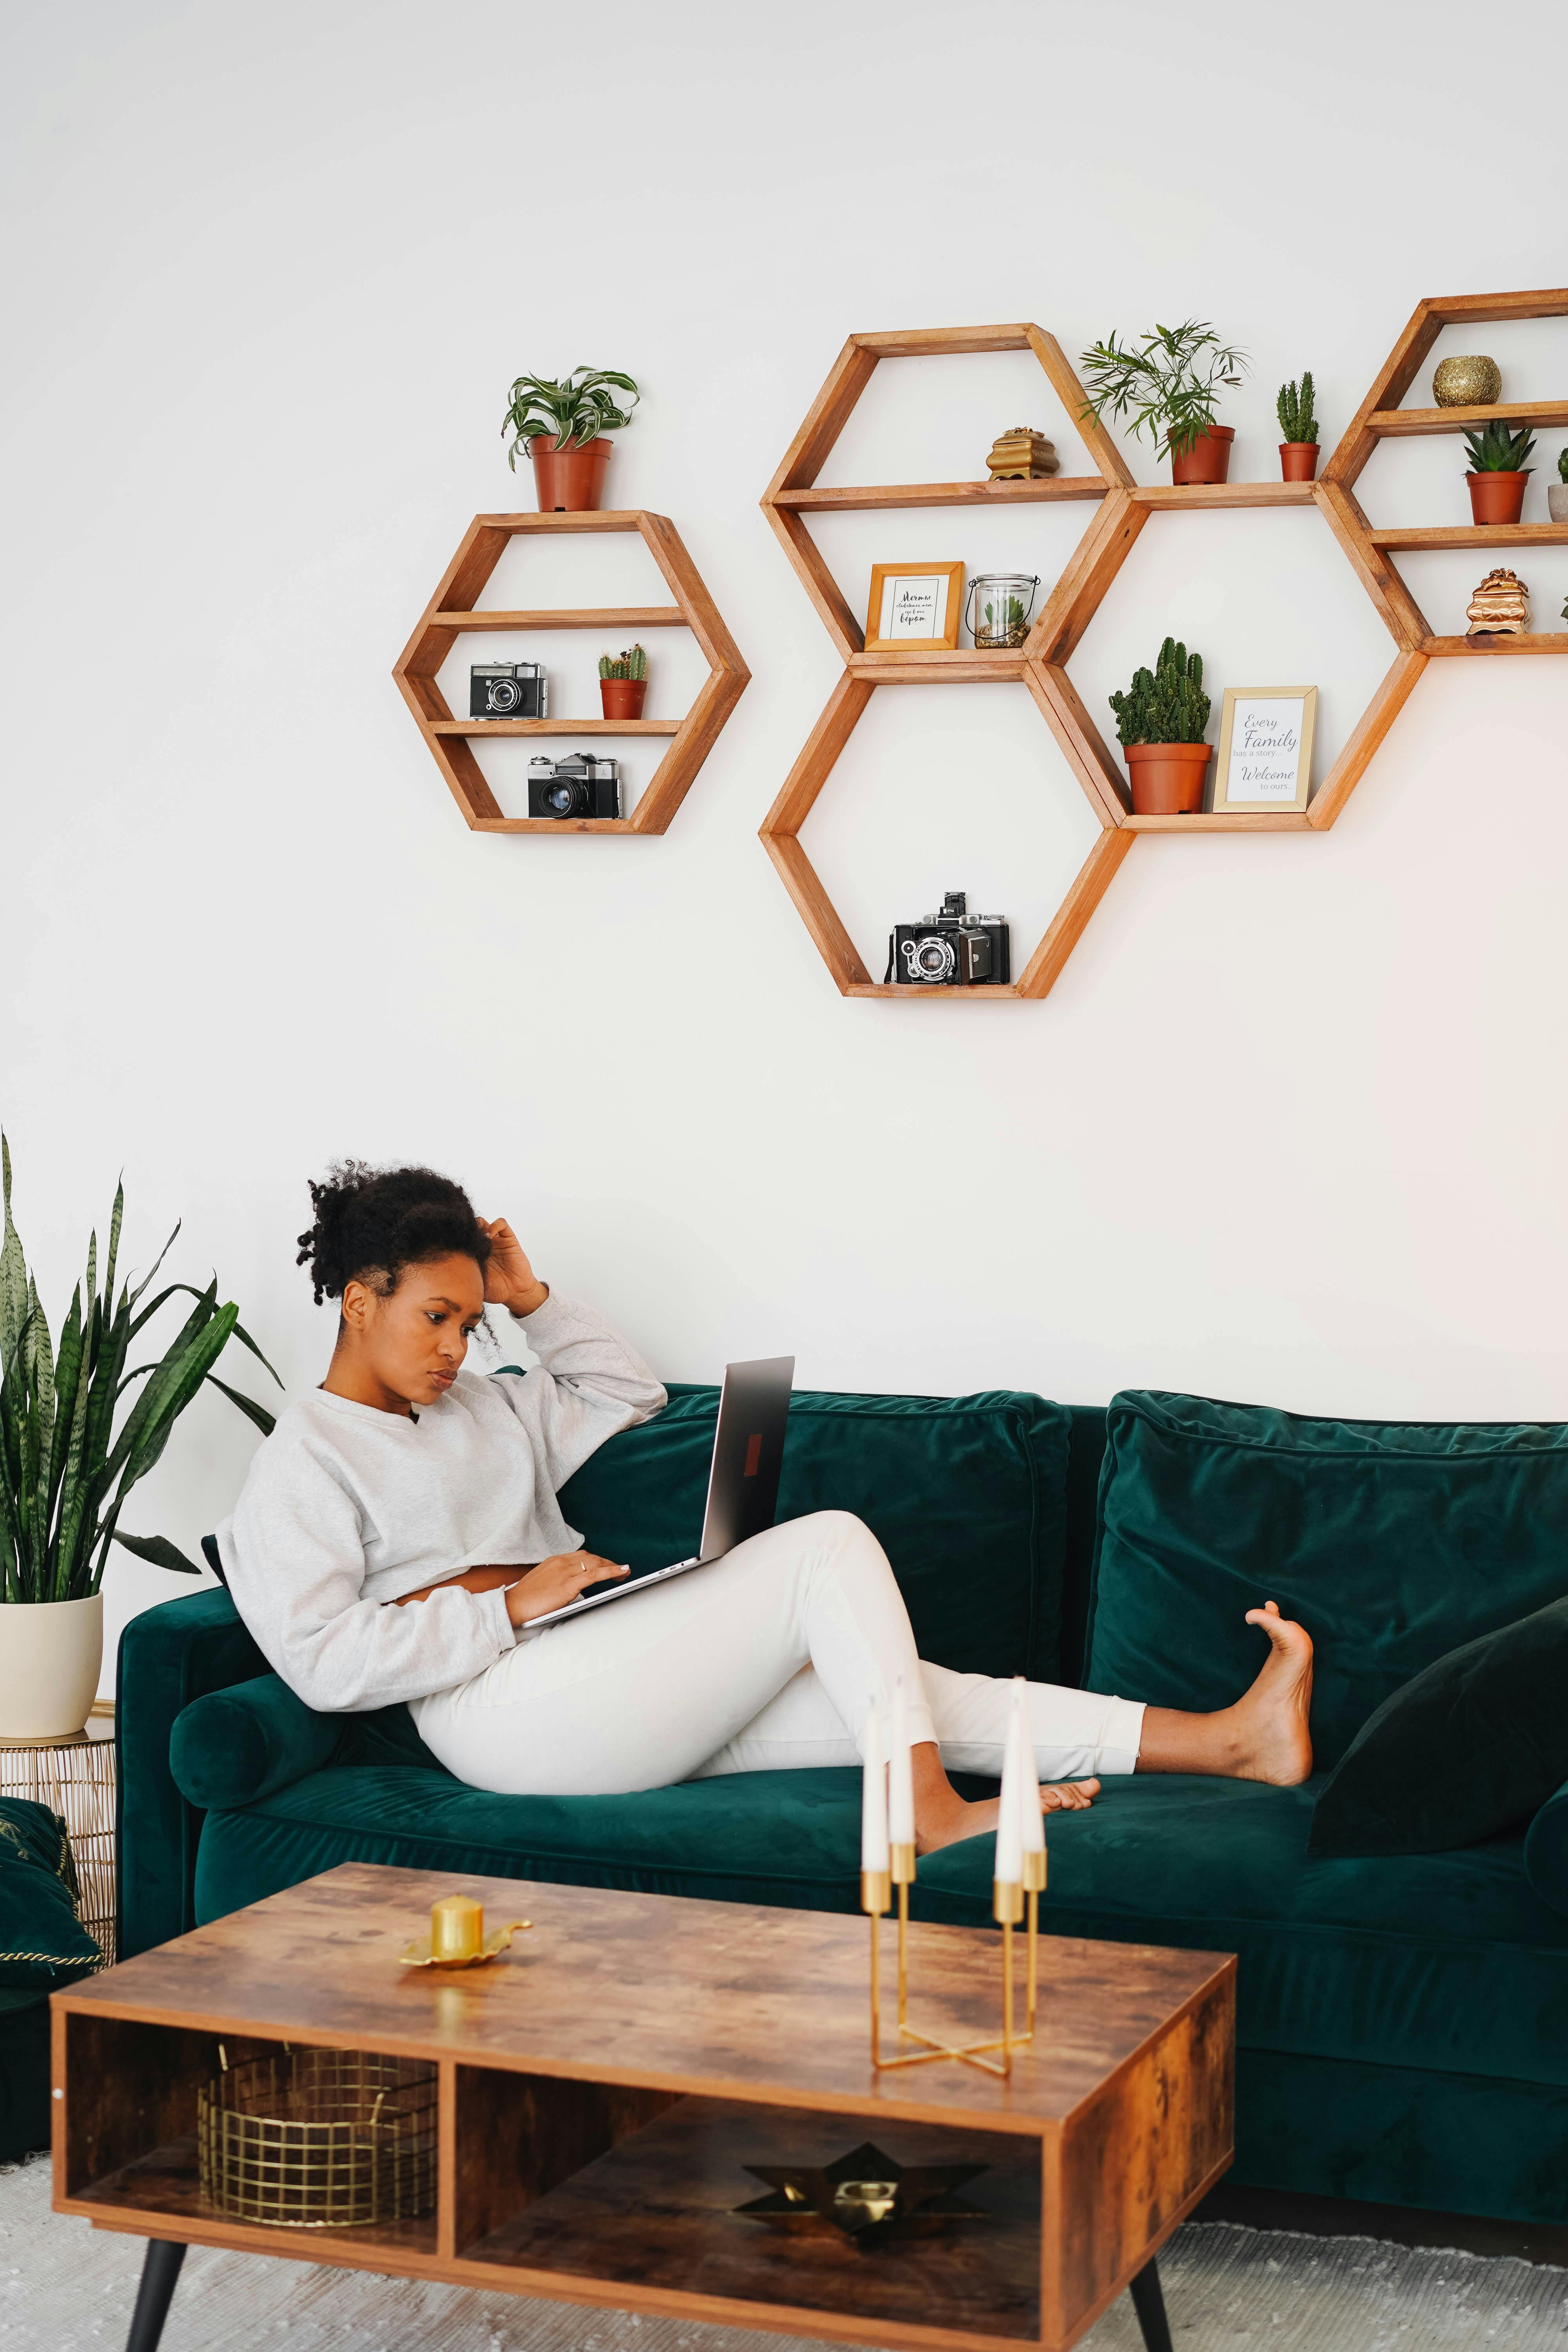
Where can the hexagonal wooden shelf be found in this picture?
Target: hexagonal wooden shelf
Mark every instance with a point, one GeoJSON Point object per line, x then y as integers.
{"type": "Point", "coordinates": [451, 614]}
{"type": "Point", "coordinates": [1381, 417]}
{"type": "Point", "coordinates": [1077, 597]}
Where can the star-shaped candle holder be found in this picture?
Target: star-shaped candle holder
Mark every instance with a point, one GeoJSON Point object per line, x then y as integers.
{"type": "Point", "coordinates": [870, 2197]}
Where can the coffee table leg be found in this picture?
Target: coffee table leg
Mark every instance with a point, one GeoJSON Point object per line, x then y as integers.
{"type": "Point", "coordinates": [160, 2275]}
{"type": "Point", "coordinates": [1150, 2306]}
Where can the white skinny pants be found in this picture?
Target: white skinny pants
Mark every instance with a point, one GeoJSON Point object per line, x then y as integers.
{"type": "Point", "coordinates": [767, 1659]}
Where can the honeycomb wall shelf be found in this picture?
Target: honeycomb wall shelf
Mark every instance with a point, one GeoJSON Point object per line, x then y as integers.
{"type": "Point", "coordinates": [451, 614]}
{"type": "Point", "coordinates": [1379, 417]}
{"type": "Point", "coordinates": [1121, 508]}
{"type": "Point", "coordinates": [793, 494]}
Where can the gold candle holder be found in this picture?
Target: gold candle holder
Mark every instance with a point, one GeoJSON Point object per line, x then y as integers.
{"type": "Point", "coordinates": [457, 1937]}
{"type": "Point", "coordinates": [1008, 1908]}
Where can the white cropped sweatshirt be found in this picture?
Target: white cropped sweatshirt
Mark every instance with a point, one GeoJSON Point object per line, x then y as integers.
{"type": "Point", "coordinates": [346, 1508]}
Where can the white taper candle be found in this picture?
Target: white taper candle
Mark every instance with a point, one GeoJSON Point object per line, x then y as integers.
{"type": "Point", "coordinates": [874, 1855]}
{"type": "Point", "coordinates": [900, 1772]}
{"type": "Point", "coordinates": [1031, 1822]}
{"type": "Point", "coordinates": [1009, 1868]}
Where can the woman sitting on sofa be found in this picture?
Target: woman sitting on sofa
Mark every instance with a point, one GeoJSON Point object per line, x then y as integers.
{"type": "Point", "coordinates": [404, 1480]}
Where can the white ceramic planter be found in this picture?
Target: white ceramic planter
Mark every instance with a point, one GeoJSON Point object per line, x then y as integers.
{"type": "Point", "coordinates": [1557, 501]}
{"type": "Point", "coordinates": [51, 1653]}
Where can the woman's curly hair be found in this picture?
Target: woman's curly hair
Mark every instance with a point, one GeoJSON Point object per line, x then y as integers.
{"type": "Point", "coordinates": [371, 1223]}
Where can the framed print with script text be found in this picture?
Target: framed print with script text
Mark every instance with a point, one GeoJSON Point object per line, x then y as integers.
{"type": "Point", "coordinates": [1265, 748]}
{"type": "Point", "coordinates": [915, 605]}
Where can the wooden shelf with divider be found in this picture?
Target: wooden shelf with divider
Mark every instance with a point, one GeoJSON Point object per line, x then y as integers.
{"type": "Point", "coordinates": [1380, 419]}
{"type": "Point", "coordinates": [454, 612]}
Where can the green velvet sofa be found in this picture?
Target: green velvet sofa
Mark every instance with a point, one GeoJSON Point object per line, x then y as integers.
{"type": "Point", "coordinates": [1403, 2027]}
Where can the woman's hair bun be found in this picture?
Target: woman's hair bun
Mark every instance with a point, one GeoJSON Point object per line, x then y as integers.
{"type": "Point", "coordinates": [371, 1223]}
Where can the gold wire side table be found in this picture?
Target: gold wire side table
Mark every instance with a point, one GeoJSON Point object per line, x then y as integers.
{"type": "Point", "coordinates": [75, 1777]}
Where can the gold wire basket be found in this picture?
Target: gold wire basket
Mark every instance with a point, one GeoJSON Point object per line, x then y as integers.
{"type": "Point", "coordinates": [319, 2139]}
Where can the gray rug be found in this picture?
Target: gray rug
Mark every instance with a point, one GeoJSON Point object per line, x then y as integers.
{"type": "Point", "coordinates": [67, 2288]}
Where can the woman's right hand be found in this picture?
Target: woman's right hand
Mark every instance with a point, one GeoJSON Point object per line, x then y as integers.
{"type": "Point", "coordinates": [564, 1576]}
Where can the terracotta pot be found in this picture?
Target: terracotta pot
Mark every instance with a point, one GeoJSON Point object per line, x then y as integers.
{"type": "Point", "coordinates": [51, 1653]}
{"type": "Point", "coordinates": [569, 481]}
{"type": "Point", "coordinates": [1496, 498]}
{"type": "Point", "coordinates": [623, 696]}
{"type": "Point", "coordinates": [1209, 459]}
{"type": "Point", "coordinates": [1167, 778]}
{"type": "Point", "coordinates": [1297, 460]}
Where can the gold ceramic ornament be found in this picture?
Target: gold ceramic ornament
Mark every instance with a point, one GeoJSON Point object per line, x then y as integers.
{"type": "Point", "coordinates": [1469, 380]}
{"type": "Point", "coordinates": [1499, 607]}
{"type": "Point", "coordinates": [1022, 455]}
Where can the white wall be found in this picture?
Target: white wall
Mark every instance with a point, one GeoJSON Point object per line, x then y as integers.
{"type": "Point", "coordinates": [1289, 1127]}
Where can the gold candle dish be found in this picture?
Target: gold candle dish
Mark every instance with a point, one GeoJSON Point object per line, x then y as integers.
{"type": "Point", "coordinates": [457, 1937]}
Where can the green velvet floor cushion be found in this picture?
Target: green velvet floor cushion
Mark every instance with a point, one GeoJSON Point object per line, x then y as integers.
{"type": "Point", "coordinates": [42, 1940]}
{"type": "Point", "coordinates": [23, 2073]}
{"type": "Point", "coordinates": [1449, 1960]}
{"type": "Point", "coordinates": [967, 1494]}
{"type": "Point", "coordinates": [1476, 1743]}
{"type": "Point", "coordinates": [1393, 1543]}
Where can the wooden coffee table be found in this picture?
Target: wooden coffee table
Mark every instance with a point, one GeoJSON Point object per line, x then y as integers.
{"type": "Point", "coordinates": [604, 2086]}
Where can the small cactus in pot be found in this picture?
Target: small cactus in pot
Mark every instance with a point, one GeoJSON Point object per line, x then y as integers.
{"type": "Point", "coordinates": [1299, 449]}
{"type": "Point", "coordinates": [1557, 491]}
{"type": "Point", "coordinates": [623, 682]}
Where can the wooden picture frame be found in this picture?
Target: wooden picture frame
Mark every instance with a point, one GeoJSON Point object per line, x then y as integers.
{"type": "Point", "coordinates": [1265, 759]}
{"type": "Point", "coordinates": [914, 606]}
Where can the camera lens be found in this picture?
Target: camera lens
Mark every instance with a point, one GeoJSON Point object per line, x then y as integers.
{"type": "Point", "coordinates": [930, 959]}
{"type": "Point", "coordinates": [505, 694]}
{"type": "Point", "coordinates": [560, 800]}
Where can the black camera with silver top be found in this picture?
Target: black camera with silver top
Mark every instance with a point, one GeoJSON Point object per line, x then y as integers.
{"type": "Point", "coordinates": [951, 949]}
{"type": "Point", "coordinates": [578, 786]}
{"type": "Point", "coordinates": [508, 690]}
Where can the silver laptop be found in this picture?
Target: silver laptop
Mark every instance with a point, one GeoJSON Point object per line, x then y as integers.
{"type": "Point", "coordinates": [743, 1477]}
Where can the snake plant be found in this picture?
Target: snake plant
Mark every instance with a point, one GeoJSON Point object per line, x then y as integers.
{"type": "Point", "coordinates": [576, 408]}
{"type": "Point", "coordinates": [1496, 451]}
{"type": "Point", "coordinates": [1168, 381]}
{"type": "Point", "coordinates": [65, 1467]}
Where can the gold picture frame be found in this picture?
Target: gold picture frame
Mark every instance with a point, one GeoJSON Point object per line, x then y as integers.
{"type": "Point", "coordinates": [1270, 766]}
{"type": "Point", "coordinates": [914, 607]}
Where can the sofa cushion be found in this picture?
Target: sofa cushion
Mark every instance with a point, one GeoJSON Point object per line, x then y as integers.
{"type": "Point", "coordinates": [1546, 1850]}
{"type": "Point", "coordinates": [1449, 1961]}
{"type": "Point", "coordinates": [235, 1746]}
{"type": "Point", "coordinates": [967, 1494]}
{"type": "Point", "coordinates": [42, 1940]}
{"type": "Point", "coordinates": [1476, 1743]}
{"type": "Point", "coordinates": [1392, 1542]}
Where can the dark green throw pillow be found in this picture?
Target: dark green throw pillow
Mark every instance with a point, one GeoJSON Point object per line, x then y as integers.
{"type": "Point", "coordinates": [1472, 1746]}
{"type": "Point", "coordinates": [42, 1940]}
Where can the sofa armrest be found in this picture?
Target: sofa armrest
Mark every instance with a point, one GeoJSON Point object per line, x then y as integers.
{"type": "Point", "coordinates": [168, 1656]}
{"type": "Point", "coordinates": [1546, 1850]}
{"type": "Point", "coordinates": [237, 1744]}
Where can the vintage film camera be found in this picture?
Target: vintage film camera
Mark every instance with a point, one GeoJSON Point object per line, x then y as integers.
{"type": "Point", "coordinates": [578, 785]}
{"type": "Point", "coordinates": [952, 949]}
{"type": "Point", "coordinates": [508, 690]}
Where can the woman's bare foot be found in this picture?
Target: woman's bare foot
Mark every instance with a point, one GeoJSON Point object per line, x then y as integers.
{"type": "Point", "coordinates": [940, 1823]}
{"type": "Point", "coordinates": [1269, 1723]}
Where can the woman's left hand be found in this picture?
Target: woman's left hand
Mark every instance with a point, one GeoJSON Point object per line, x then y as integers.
{"type": "Point", "coordinates": [510, 1280]}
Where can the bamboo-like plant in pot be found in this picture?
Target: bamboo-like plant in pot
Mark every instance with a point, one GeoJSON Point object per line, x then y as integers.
{"type": "Point", "coordinates": [1298, 450]}
{"type": "Point", "coordinates": [1168, 384]}
{"type": "Point", "coordinates": [623, 683]}
{"type": "Point", "coordinates": [79, 1425]}
{"type": "Point", "coordinates": [562, 425]}
{"type": "Point", "coordinates": [1159, 721]}
{"type": "Point", "coordinates": [1498, 471]}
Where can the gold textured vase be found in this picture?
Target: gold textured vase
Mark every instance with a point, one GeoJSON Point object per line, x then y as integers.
{"type": "Point", "coordinates": [1469, 380]}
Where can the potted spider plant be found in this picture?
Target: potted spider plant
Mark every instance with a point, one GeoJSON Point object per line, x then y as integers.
{"type": "Point", "coordinates": [1159, 721]}
{"type": "Point", "coordinates": [78, 1428]}
{"type": "Point", "coordinates": [562, 425]}
{"type": "Point", "coordinates": [1498, 471]}
{"type": "Point", "coordinates": [623, 683]}
{"type": "Point", "coordinates": [1298, 450]}
{"type": "Point", "coordinates": [1168, 383]}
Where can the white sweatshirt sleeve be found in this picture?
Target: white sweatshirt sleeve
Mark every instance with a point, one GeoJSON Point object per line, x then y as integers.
{"type": "Point", "coordinates": [295, 1559]}
{"type": "Point", "coordinates": [591, 1383]}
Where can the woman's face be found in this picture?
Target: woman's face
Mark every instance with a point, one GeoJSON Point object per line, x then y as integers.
{"type": "Point", "coordinates": [412, 1344]}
